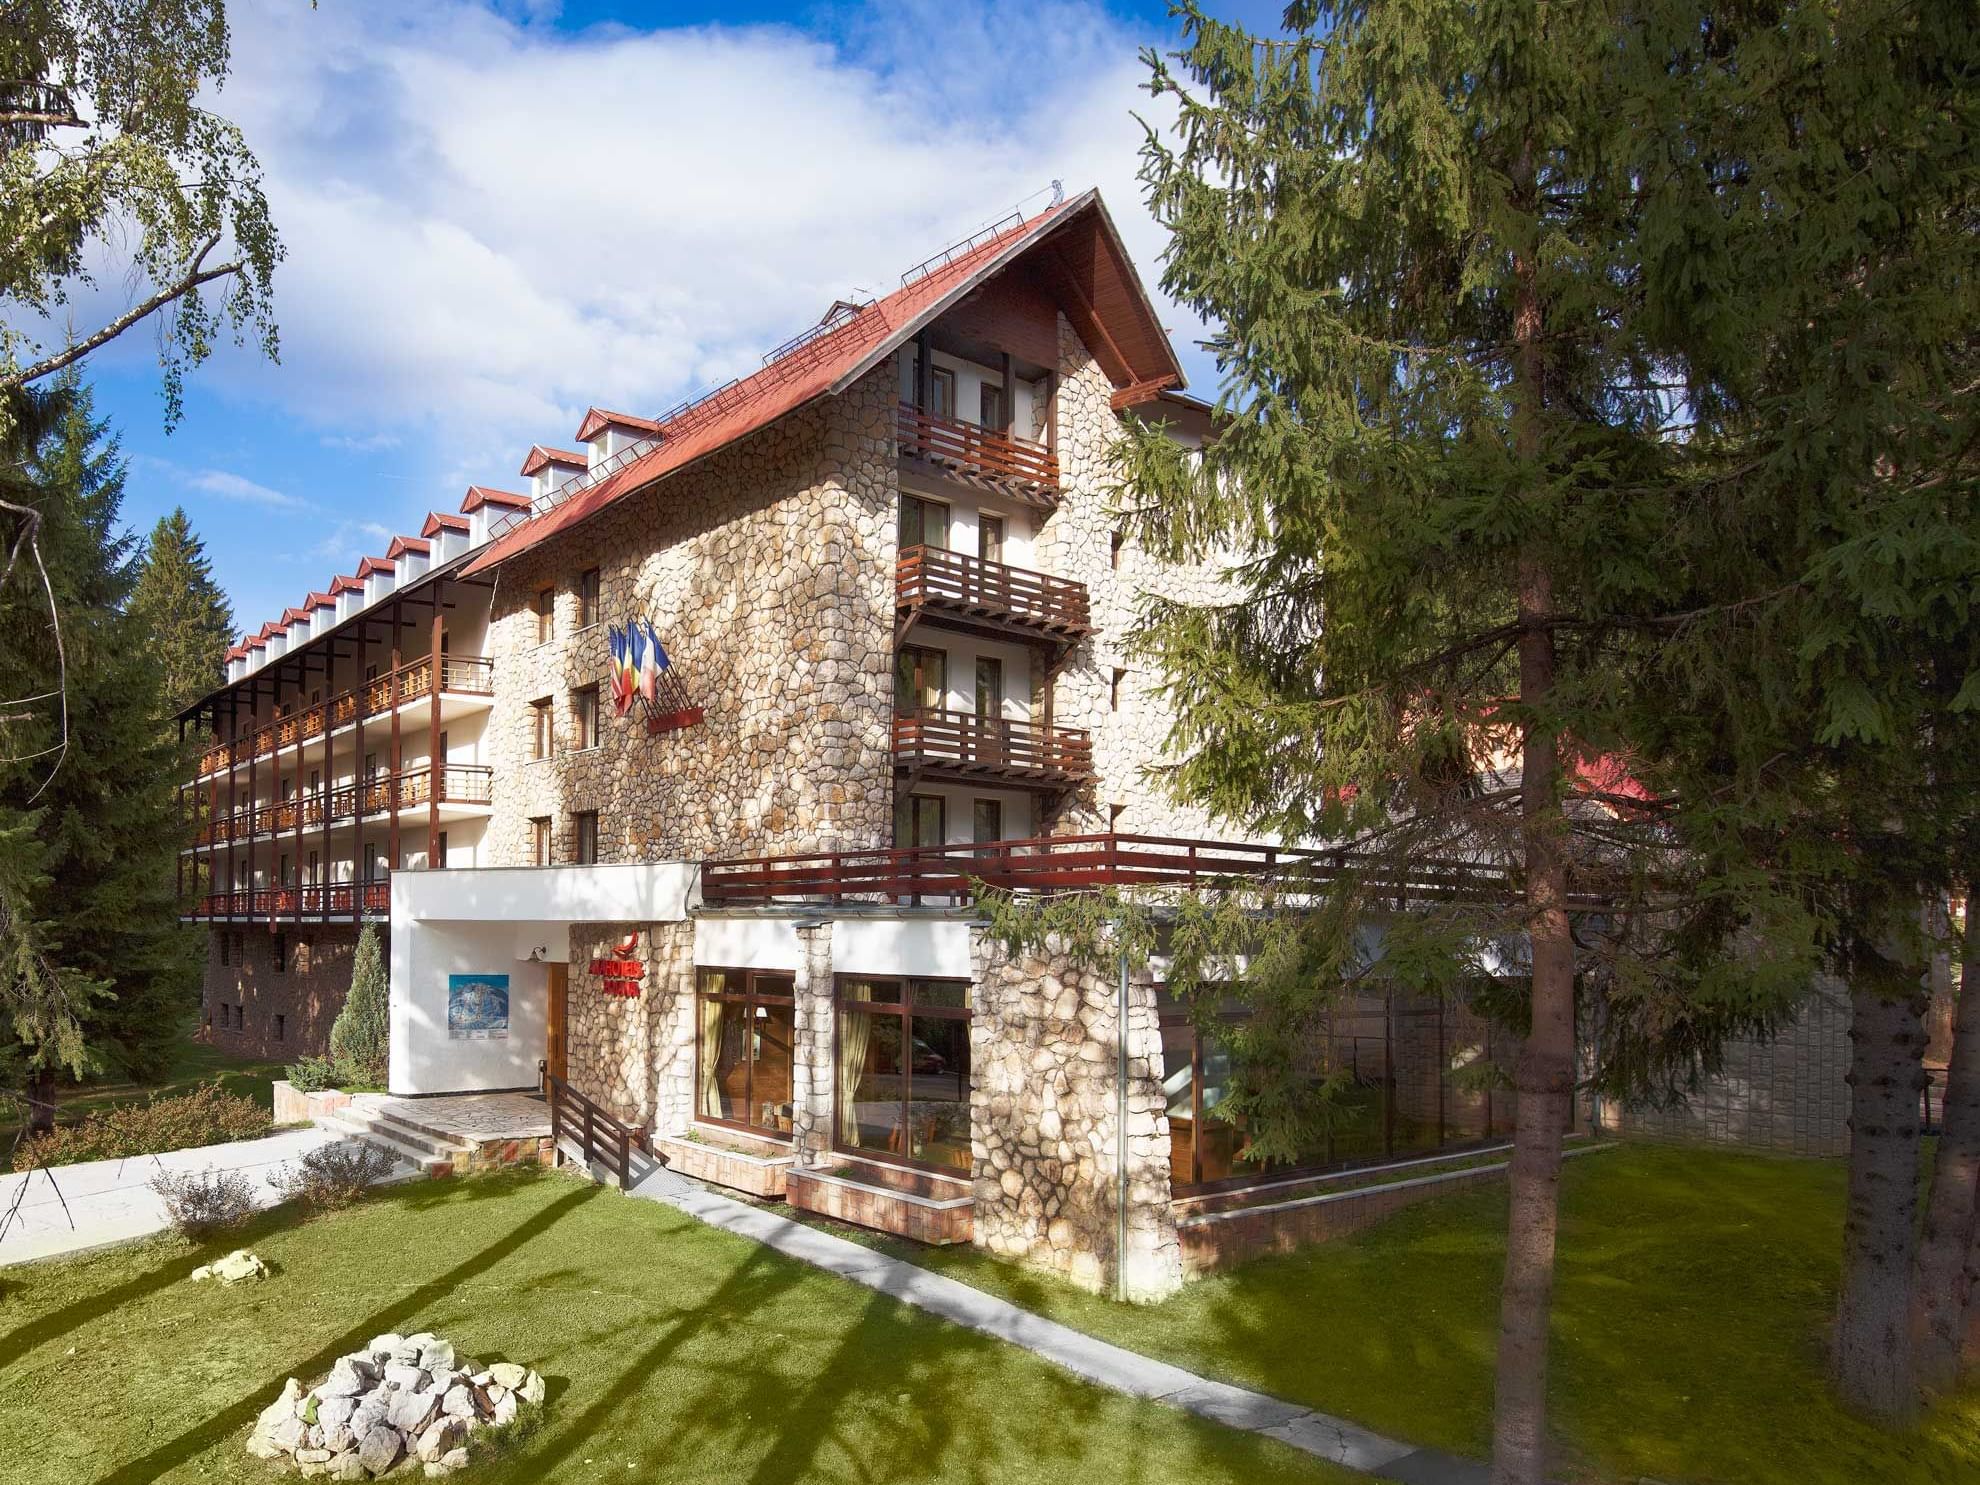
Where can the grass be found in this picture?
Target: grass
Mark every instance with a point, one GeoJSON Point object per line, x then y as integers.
{"type": "Point", "coordinates": [192, 1063]}
{"type": "Point", "coordinates": [672, 1351]}
{"type": "Point", "coordinates": [1690, 1326]}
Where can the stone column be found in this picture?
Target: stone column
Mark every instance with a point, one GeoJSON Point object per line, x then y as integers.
{"type": "Point", "coordinates": [609, 1046]}
{"type": "Point", "coordinates": [670, 1021]}
{"type": "Point", "coordinates": [1045, 1121]}
{"type": "Point", "coordinates": [811, 1063]}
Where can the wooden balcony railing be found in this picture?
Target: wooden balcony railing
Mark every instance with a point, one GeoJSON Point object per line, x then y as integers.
{"type": "Point", "coordinates": [336, 899]}
{"type": "Point", "coordinates": [964, 745]}
{"type": "Point", "coordinates": [1017, 465]}
{"type": "Point", "coordinates": [1048, 863]}
{"type": "Point", "coordinates": [413, 681]}
{"type": "Point", "coordinates": [460, 783]}
{"type": "Point", "coordinates": [980, 594]}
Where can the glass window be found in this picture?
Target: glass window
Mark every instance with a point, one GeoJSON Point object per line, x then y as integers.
{"type": "Point", "coordinates": [546, 615]}
{"type": "Point", "coordinates": [987, 821]}
{"type": "Point", "coordinates": [543, 729]}
{"type": "Point", "coordinates": [744, 1038]}
{"type": "Point", "coordinates": [584, 717]}
{"type": "Point", "coordinates": [902, 1086]}
{"type": "Point", "coordinates": [942, 392]}
{"type": "Point", "coordinates": [924, 523]}
{"type": "Point", "coordinates": [920, 820]}
{"type": "Point", "coordinates": [989, 686]}
{"type": "Point", "coordinates": [989, 537]}
{"type": "Point", "coordinates": [585, 828]}
{"type": "Point", "coordinates": [539, 840]}
{"type": "Point", "coordinates": [921, 679]}
{"type": "Point", "coordinates": [990, 406]}
{"type": "Point", "coordinates": [587, 597]}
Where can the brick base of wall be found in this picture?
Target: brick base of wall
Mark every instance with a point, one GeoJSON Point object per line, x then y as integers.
{"type": "Point", "coordinates": [938, 1218]}
{"type": "Point", "coordinates": [757, 1167]}
{"type": "Point", "coordinates": [276, 994]}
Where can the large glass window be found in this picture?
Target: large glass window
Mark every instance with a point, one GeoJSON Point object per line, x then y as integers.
{"type": "Point", "coordinates": [903, 1070]}
{"type": "Point", "coordinates": [743, 1042]}
{"type": "Point", "coordinates": [924, 523]}
{"type": "Point", "coordinates": [921, 680]}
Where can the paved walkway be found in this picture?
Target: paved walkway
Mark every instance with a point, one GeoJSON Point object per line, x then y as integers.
{"type": "Point", "coordinates": [74, 1208]}
{"type": "Point", "coordinates": [1332, 1439]}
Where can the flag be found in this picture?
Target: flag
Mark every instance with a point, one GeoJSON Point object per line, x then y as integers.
{"type": "Point", "coordinates": [620, 645]}
{"type": "Point", "coordinates": [648, 657]}
{"type": "Point", "coordinates": [661, 662]}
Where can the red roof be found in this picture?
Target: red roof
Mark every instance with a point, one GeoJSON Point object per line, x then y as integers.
{"type": "Point", "coordinates": [269, 631]}
{"type": "Point", "coordinates": [237, 652]}
{"type": "Point", "coordinates": [480, 495]}
{"type": "Point", "coordinates": [597, 420]}
{"type": "Point", "coordinates": [319, 600]}
{"type": "Point", "coordinates": [402, 544]}
{"type": "Point", "coordinates": [539, 456]}
{"type": "Point", "coordinates": [259, 642]}
{"type": "Point", "coordinates": [295, 616]}
{"type": "Point", "coordinates": [368, 565]}
{"type": "Point", "coordinates": [346, 585]}
{"type": "Point", "coordinates": [436, 523]}
{"type": "Point", "coordinates": [1093, 270]}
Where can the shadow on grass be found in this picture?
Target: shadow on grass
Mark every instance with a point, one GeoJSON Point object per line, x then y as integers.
{"type": "Point", "coordinates": [243, 1411]}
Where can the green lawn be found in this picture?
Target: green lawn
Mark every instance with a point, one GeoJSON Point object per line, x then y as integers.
{"type": "Point", "coordinates": [192, 1063]}
{"type": "Point", "coordinates": [673, 1352]}
{"type": "Point", "coordinates": [1694, 1294]}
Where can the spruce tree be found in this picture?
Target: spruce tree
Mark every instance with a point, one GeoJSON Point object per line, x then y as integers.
{"type": "Point", "coordinates": [182, 609]}
{"type": "Point", "coordinates": [360, 1038]}
{"type": "Point", "coordinates": [87, 767]}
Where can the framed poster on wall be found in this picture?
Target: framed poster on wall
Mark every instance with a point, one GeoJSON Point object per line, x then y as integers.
{"type": "Point", "coordinates": [477, 1008]}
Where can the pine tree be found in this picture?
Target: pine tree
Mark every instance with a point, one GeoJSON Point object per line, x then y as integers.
{"type": "Point", "coordinates": [1544, 416]}
{"type": "Point", "coordinates": [87, 768]}
{"type": "Point", "coordinates": [360, 1038]}
{"type": "Point", "coordinates": [182, 609]}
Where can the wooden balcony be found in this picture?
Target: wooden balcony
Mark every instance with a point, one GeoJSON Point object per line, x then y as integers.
{"type": "Point", "coordinates": [962, 747]}
{"type": "Point", "coordinates": [335, 900]}
{"type": "Point", "coordinates": [1040, 864]}
{"type": "Point", "coordinates": [983, 457]}
{"type": "Point", "coordinates": [992, 599]}
{"type": "Point", "coordinates": [459, 783]}
{"type": "Point", "coordinates": [413, 681]}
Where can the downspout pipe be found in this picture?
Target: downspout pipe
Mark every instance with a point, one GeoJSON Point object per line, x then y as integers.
{"type": "Point", "coordinates": [1120, 1127]}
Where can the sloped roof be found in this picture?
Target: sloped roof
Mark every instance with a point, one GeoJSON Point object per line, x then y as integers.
{"type": "Point", "coordinates": [1083, 259]}
{"type": "Point", "coordinates": [402, 544]}
{"type": "Point", "coordinates": [539, 456]}
{"type": "Point", "coordinates": [480, 495]}
{"type": "Point", "coordinates": [437, 521]}
{"type": "Point", "coordinates": [597, 420]}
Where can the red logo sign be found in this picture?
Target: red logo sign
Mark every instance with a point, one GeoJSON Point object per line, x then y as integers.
{"type": "Point", "coordinates": [619, 976]}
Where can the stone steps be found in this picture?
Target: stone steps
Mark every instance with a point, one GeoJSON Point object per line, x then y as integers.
{"type": "Point", "coordinates": [428, 1153]}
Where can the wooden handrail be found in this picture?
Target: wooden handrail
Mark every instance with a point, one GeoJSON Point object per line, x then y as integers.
{"type": "Point", "coordinates": [589, 1126]}
{"type": "Point", "coordinates": [460, 783]}
{"type": "Point", "coordinates": [957, 583]}
{"type": "Point", "coordinates": [332, 899]}
{"type": "Point", "coordinates": [468, 675]}
{"type": "Point", "coordinates": [941, 738]}
{"type": "Point", "coordinates": [986, 453]}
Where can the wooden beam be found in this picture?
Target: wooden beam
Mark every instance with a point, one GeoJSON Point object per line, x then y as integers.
{"type": "Point", "coordinates": [1093, 329]}
{"type": "Point", "coordinates": [1139, 392]}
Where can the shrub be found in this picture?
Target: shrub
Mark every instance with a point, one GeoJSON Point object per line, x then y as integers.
{"type": "Point", "coordinates": [312, 1075]}
{"type": "Point", "coordinates": [201, 1203]}
{"type": "Point", "coordinates": [361, 1035]}
{"type": "Point", "coordinates": [209, 1115]}
{"type": "Point", "coordinates": [334, 1175]}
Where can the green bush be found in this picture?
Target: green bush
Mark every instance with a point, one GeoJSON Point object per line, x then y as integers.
{"type": "Point", "coordinates": [361, 1036]}
{"type": "Point", "coordinates": [201, 1203]}
{"type": "Point", "coordinates": [312, 1075]}
{"type": "Point", "coordinates": [332, 1176]}
{"type": "Point", "coordinates": [209, 1115]}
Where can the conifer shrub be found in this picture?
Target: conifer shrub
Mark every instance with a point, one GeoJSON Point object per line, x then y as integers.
{"type": "Point", "coordinates": [360, 1039]}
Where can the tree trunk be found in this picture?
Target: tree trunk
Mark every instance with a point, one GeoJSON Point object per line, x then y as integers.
{"type": "Point", "coordinates": [41, 1100]}
{"type": "Point", "coordinates": [1873, 1370]}
{"type": "Point", "coordinates": [1942, 1290]}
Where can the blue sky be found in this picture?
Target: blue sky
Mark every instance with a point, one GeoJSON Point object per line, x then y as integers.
{"type": "Point", "coordinates": [498, 214]}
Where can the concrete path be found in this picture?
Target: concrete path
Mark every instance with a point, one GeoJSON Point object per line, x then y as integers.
{"type": "Point", "coordinates": [1333, 1439]}
{"type": "Point", "coordinates": [73, 1208]}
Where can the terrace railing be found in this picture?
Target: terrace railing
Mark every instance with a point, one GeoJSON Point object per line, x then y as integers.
{"type": "Point", "coordinates": [978, 453]}
{"type": "Point", "coordinates": [974, 590]}
{"type": "Point", "coordinates": [460, 783]}
{"type": "Point", "coordinates": [335, 899]}
{"type": "Point", "coordinates": [412, 681]}
{"type": "Point", "coordinates": [962, 743]}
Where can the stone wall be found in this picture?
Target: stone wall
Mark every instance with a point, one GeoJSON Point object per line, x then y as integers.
{"type": "Point", "coordinates": [1786, 1095]}
{"type": "Point", "coordinates": [271, 1013]}
{"type": "Point", "coordinates": [768, 572]}
{"type": "Point", "coordinates": [1044, 1120]}
{"type": "Point", "coordinates": [812, 1035]}
{"type": "Point", "coordinates": [1130, 722]}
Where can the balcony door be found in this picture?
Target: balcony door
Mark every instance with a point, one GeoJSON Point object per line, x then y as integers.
{"type": "Point", "coordinates": [924, 523]}
{"type": "Point", "coordinates": [919, 820]}
{"type": "Point", "coordinates": [989, 732]}
{"type": "Point", "coordinates": [921, 680]}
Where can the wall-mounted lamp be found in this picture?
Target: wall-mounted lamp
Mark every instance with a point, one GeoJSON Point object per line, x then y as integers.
{"type": "Point", "coordinates": [536, 954]}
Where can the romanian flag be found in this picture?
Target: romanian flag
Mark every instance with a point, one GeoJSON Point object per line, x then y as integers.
{"type": "Point", "coordinates": [622, 691]}
{"type": "Point", "coordinates": [650, 657]}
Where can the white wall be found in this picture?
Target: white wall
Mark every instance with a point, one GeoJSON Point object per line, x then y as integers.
{"type": "Point", "coordinates": [424, 1059]}
{"type": "Point", "coordinates": [747, 943]}
{"type": "Point", "coordinates": [931, 947]}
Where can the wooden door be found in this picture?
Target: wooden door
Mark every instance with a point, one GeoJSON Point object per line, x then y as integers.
{"type": "Point", "coordinates": [557, 1048]}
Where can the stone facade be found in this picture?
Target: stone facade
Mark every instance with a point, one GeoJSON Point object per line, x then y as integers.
{"type": "Point", "coordinates": [1129, 720]}
{"type": "Point", "coordinates": [1045, 1123]}
{"type": "Point", "coordinates": [634, 1054]}
{"type": "Point", "coordinates": [275, 995]}
{"type": "Point", "coordinates": [768, 572]}
{"type": "Point", "coordinates": [1786, 1095]}
{"type": "Point", "coordinates": [813, 1033]}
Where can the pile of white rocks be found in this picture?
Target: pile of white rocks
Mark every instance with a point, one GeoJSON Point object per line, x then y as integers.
{"type": "Point", "coordinates": [400, 1404]}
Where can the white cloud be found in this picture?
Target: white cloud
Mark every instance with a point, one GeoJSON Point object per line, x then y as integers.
{"type": "Point", "coordinates": [230, 486]}
{"type": "Point", "coordinates": [491, 225]}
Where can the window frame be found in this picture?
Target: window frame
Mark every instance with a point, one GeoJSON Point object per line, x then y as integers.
{"type": "Point", "coordinates": [542, 841]}
{"type": "Point", "coordinates": [590, 591]}
{"type": "Point", "coordinates": [941, 390]}
{"type": "Point", "coordinates": [584, 837]}
{"type": "Point", "coordinates": [909, 1010]}
{"type": "Point", "coordinates": [584, 716]}
{"type": "Point", "coordinates": [543, 604]}
{"type": "Point", "coordinates": [749, 997]}
{"type": "Point", "coordinates": [543, 730]}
